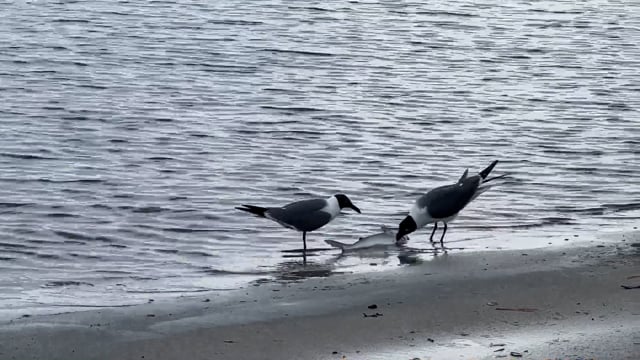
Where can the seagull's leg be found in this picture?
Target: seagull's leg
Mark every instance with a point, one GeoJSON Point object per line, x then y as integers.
{"type": "Point", "coordinates": [442, 237]}
{"type": "Point", "coordinates": [304, 241]}
{"type": "Point", "coordinates": [304, 251]}
{"type": "Point", "coordinates": [435, 226]}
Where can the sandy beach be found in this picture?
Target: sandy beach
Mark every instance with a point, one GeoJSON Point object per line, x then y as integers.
{"type": "Point", "coordinates": [563, 303]}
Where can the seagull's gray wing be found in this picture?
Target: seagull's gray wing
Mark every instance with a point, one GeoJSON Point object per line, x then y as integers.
{"type": "Point", "coordinates": [448, 200]}
{"type": "Point", "coordinates": [305, 215]}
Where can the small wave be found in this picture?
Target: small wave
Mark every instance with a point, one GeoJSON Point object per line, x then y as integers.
{"type": "Point", "coordinates": [119, 246]}
{"type": "Point", "coordinates": [61, 215]}
{"type": "Point", "coordinates": [59, 283]}
{"type": "Point", "coordinates": [236, 22]}
{"type": "Point", "coordinates": [556, 11]}
{"type": "Point", "coordinates": [197, 253]}
{"type": "Point", "coordinates": [171, 291]}
{"type": "Point", "coordinates": [160, 158]}
{"type": "Point", "coordinates": [445, 13]}
{"type": "Point", "coordinates": [548, 221]}
{"type": "Point", "coordinates": [167, 251]}
{"type": "Point", "coordinates": [187, 230]}
{"type": "Point", "coordinates": [149, 209]}
{"type": "Point", "coordinates": [291, 108]}
{"type": "Point", "coordinates": [72, 235]}
{"type": "Point", "coordinates": [26, 156]}
{"type": "Point", "coordinates": [76, 181]}
{"type": "Point", "coordinates": [586, 211]}
{"type": "Point", "coordinates": [622, 207]}
{"type": "Point", "coordinates": [83, 256]}
{"type": "Point", "coordinates": [63, 20]}
{"type": "Point", "coordinates": [299, 52]}
{"type": "Point", "coordinates": [13, 205]}
{"type": "Point", "coordinates": [48, 256]}
{"type": "Point", "coordinates": [20, 246]}
{"type": "Point", "coordinates": [211, 271]}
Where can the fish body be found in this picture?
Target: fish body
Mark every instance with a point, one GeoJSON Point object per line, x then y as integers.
{"type": "Point", "coordinates": [386, 238]}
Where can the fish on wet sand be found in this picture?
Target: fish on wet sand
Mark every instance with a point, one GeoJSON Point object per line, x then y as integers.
{"type": "Point", "coordinates": [386, 238]}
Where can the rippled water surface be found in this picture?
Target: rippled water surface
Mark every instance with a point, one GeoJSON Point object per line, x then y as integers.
{"type": "Point", "coordinates": [131, 130]}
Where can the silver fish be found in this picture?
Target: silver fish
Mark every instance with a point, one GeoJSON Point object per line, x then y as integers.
{"type": "Point", "coordinates": [386, 238]}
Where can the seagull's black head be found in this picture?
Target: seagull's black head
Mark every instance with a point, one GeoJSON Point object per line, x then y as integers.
{"type": "Point", "coordinates": [407, 226]}
{"type": "Point", "coordinates": [345, 202]}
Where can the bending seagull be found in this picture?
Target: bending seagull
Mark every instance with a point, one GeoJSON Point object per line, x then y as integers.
{"type": "Point", "coordinates": [305, 215]}
{"type": "Point", "coordinates": [444, 203]}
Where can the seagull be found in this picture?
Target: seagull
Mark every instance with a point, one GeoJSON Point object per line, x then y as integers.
{"type": "Point", "coordinates": [305, 215]}
{"type": "Point", "coordinates": [443, 203]}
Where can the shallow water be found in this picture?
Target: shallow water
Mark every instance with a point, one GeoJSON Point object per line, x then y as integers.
{"type": "Point", "coordinates": [130, 131]}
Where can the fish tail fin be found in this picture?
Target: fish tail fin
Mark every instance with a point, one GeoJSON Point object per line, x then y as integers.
{"type": "Point", "coordinates": [484, 173]}
{"type": "Point", "coordinates": [256, 210]}
{"type": "Point", "coordinates": [336, 244]}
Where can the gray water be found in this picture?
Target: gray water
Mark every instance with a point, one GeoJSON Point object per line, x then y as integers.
{"type": "Point", "coordinates": [131, 130]}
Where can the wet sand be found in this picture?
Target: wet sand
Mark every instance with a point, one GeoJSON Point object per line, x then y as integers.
{"type": "Point", "coordinates": [560, 303]}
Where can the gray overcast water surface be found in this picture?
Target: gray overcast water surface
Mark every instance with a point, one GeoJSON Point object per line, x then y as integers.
{"type": "Point", "coordinates": [130, 130]}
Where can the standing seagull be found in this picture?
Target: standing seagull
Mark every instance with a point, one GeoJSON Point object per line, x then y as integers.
{"type": "Point", "coordinates": [444, 203]}
{"type": "Point", "coordinates": [305, 215]}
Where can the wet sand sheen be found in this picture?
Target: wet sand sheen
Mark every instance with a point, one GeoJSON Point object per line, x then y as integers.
{"type": "Point", "coordinates": [561, 303]}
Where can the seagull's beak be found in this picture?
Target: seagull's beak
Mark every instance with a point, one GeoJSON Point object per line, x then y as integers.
{"type": "Point", "coordinates": [356, 209]}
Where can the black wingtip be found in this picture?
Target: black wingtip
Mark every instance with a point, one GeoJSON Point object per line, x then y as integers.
{"type": "Point", "coordinates": [484, 173]}
{"type": "Point", "coordinates": [256, 210]}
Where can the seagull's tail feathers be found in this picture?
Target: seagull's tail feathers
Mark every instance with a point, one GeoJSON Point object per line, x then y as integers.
{"type": "Point", "coordinates": [484, 173]}
{"type": "Point", "coordinates": [256, 210]}
{"type": "Point", "coordinates": [336, 244]}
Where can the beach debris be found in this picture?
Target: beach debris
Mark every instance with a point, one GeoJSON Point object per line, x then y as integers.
{"type": "Point", "coordinates": [633, 277]}
{"type": "Point", "coordinates": [627, 287]}
{"type": "Point", "coordinates": [515, 354]}
{"type": "Point", "coordinates": [430, 340]}
{"type": "Point", "coordinates": [492, 303]}
{"type": "Point", "coordinates": [517, 309]}
{"type": "Point", "coordinates": [151, 315]}
{"type": "Point", "coordinates": [334, 353]}
{"type": "Point", "coordinates": [415, 359]}
{"type": "Point", "coordinates": [464, 334]}
{"type": "Point", "coordinates": [206, 300]}
{"type": "Point", "coordinates": [373, 306]}
{"type": "Point", "coordinates": [498, 350]}
{"type": "Point", "coordinates": [229, 341]}
{"type": "Point", "coordinates": [496, 345]}
{"type": "Point", "coordinates": [501, 356]}
{"type": "Point", "coordinates": [372, 315]}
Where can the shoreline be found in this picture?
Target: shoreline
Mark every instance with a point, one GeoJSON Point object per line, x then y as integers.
{"type": "Point", "coordinates": [453, 305]}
